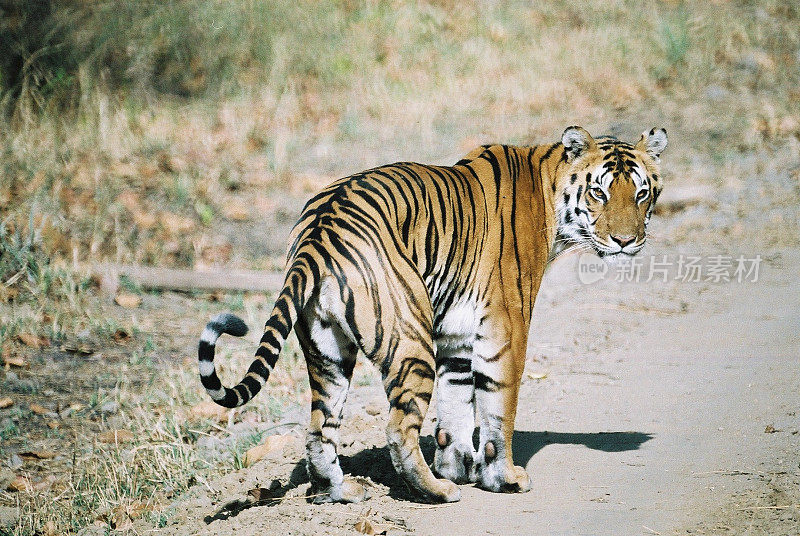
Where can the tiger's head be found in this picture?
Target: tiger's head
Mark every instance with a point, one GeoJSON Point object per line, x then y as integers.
{"type": "Point", "coordinates": [608, 191]}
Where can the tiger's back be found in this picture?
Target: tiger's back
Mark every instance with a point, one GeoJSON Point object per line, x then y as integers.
{"type": "Point", "coordinates": [445, 224]}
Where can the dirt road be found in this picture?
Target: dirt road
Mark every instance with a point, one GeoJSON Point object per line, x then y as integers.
{"type": "Point", "coordinates": [647, 408]}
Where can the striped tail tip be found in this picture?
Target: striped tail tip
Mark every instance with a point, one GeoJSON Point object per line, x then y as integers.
{"type": "Point", "coordinates": [222, 323]}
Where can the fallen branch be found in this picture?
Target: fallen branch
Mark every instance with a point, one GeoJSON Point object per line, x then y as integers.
{"type": "Point", "coordinates": [177, 279]}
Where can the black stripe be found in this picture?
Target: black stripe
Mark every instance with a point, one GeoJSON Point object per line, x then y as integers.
{"type": "Point", "coordinates": [485, 383]}
{"type": "Point", "coordinates": [457, 365]}
{"type": "Point", "coordinates": [492, 159]}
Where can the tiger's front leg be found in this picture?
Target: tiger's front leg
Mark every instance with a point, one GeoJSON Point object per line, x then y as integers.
{"type": "Point", "coordinates": [455, 456]}
{"type": "Point", "coordinates": [497, 371]}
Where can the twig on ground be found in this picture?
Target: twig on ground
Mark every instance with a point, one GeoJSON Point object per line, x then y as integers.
{"type": "Point", "coordinates": [779, 507]}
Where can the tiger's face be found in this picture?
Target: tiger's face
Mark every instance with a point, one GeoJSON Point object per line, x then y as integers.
{"type": "Point", "coordinates": [609, 191]}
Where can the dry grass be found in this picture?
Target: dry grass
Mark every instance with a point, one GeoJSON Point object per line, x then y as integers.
{"type": "Point", "coordinates": [135, 174]}
{"type": "Point", "coordinates": [178, 138]}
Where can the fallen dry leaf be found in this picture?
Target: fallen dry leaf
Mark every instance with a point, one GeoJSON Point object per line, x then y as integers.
{"type": "Point", "coordinates": [122, 516]}
{"type": "Point", "coordinates": [364, 526]}
{"type": "Point", "coordinates": [271, 444]}
{"type": "Point", "coordinates": [50, 528]}
{"type": "Point", "coordinates": [266, 495]}
{"type": "Point", "coordinates": [144, 220]}
{"type": "Point", "coordinates": [176, 224]}
{"type": "Point", "coordinates": [260, 494]}
{"type": "Point", "coordinates": [236, 211]}
{"type": "Point", "coordinates": [53, 424]}
{"type": "Point", "coordinates": [137, 509]}
{"type": "Point", "coordinates": [75, 348]}
{"type": "Point", "coordinates": [14, 361]}
{"type": "Point", "coordinates": [537, 375]}
{"type": "Point", "coordinates": [37, 455]}
{"type": "Point", "coordinates": [121, 336]}
{"type": "Point", "coordinates": [216, 254]}
{"type": "Point", "coordinates": [39, 409]}
{"type": "Point", "coordinates": [128, 300]}
{"type": "Point", "coordinates": [20, 483]}
{"type": "Point", "coordinates": [8, 294]}
{"type": "Point", "coordinates": [120, 519]}
{"type": "Point", "coordinates": [210, 410]}
{"type": "Point", "coordinates": [115, 436]}
{"type": "Point", "coordinates": [6, 402]}
{"type": "Point", "coordinates": [33, 341]}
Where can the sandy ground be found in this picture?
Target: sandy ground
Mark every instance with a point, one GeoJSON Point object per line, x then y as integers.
{"type": "Point", "coordinates": [646, 408]}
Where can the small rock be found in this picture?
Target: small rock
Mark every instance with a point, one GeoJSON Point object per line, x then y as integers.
{"type": "Point", "coordinates": [373, 408]}
{"type": "Point", "coordinates": [6, 477]}
{"type": "Point", "coordinates": [8, 517]}
{"type": "Point", "coordinates": [20, 386]}
{"type": "Point", "coordinates": [208, 442]}
{"type": "Point", "coordinates": [128, 300]}
{"type": "Point", "coordinates": [15, 461]}
{"type": "Point", "coordinates": [716, 93]}
{"type": "Point", "coordinates": [6, 423]}
{"type": "Point", "coordinates": [93, 530]}
{"type": "Point", "coordinates": [109, 407]}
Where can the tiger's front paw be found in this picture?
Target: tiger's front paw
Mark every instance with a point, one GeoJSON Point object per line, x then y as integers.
{"type": "Point", "coordinates": [453, 461]}
{"type": "Point", "coordinates": [498, 474]}
{"type": "Point", "coordinates": [503, 479]}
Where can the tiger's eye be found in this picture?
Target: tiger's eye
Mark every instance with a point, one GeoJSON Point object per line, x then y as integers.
{"type": "Point", "coordinates": [598, 194]}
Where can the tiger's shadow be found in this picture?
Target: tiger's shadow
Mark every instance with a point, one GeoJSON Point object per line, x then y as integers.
{"type": "Point", "coordinates": [375, 463]}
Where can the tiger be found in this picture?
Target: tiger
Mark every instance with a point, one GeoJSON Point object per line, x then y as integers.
{"type": "Point", "coordinates": [431, 273]}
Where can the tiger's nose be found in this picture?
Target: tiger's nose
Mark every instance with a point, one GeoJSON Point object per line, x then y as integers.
{"type": "Point", "coordinates": [623, 240]}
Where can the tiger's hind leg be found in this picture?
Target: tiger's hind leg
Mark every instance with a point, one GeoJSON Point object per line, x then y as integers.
{"type": "Point", "coordinates": [408, 381]}
{"type": "Point", "coordinates": [330, 357]}
{"type": "Point", "coordinates": [455, 390]}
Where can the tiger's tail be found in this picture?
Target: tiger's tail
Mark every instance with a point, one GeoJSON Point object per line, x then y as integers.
{"type": "Point", "coordinates": [297, 288]}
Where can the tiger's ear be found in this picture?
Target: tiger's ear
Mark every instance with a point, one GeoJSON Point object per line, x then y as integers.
{"type": "Point", "coordinates": [653, 142]}
{"type": "Point", "coordinates": [577, 141]}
